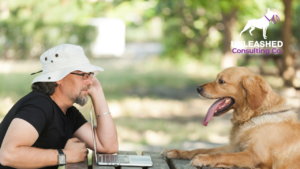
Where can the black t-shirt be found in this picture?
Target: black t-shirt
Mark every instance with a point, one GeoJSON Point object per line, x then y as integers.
{"type": "Point", "coordinates": [54, 127]}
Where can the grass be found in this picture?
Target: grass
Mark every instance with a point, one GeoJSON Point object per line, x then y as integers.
{"type": "Point", "coordinates": [119, 80]}
{"type": "Point", "coordinates": [15, 85]}
{"type": "Point", "coordinates": [166, 131]}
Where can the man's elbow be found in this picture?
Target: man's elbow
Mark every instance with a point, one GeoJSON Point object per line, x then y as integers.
{"type": "Point", "coordinates": [111, 150]}
{"type": "Point", "coordinates": [114, 150]}
{"type": "Point", "coordinates": [6, 157]}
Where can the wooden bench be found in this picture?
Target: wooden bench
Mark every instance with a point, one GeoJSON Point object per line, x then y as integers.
{"type": "Point", "coordinates": [158, 163]}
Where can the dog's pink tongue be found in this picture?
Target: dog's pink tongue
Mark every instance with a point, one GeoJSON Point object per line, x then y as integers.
{"type": "Point", "coordinates": [211, 111]}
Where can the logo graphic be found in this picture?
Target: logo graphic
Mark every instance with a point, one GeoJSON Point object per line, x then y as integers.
{"type": "Point", "coordinates": [261, 23]}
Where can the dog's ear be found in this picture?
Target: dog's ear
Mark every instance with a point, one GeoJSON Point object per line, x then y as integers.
{"type": "Point", "coordinates": [256, 90]}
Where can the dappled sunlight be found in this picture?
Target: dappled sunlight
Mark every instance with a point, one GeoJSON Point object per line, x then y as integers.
{"type": "Point", "coordinates": [294, 102]}
{"type": "Point", "coordinates": [150, 137]}
{"type": "Point", "coordinates": [171, 131]}
{"type": "Point", "coordinates": [13, 66]}
{"type": "Point", "coordinates": [125, 134]}
{"type": "Point", "coordinates": [147, 107]}
{"type": "Point", "coordinates": [288, 92]}
{"type": "Point", "coordinates": [157, 138]}
{"type": "Point", "coordinates": [276, 82]}
{"type": "Point", "coordinates": [195, 68]}
{"type": "Point", "coordinates": [5, 105]}
{"type": "Point", "coordinates": [296, 82]}
{"type": "Point", "coordinates": [217, 131]}
{"type": "Point", "coordinates": [216, 138]}
{"type": "Point", "coordinates": [162, 108]}
{"type": "Point", "coordinates": [194, 136]}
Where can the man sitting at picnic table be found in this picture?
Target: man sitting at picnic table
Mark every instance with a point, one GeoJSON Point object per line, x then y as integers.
{"type": "Point", "coordinates": [44, 126]}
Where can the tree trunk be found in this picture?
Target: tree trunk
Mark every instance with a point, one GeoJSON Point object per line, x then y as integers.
{"type": "Point", "coordinates": [228, 59]}
{"type": "Point", "coordinates": [288, 61]}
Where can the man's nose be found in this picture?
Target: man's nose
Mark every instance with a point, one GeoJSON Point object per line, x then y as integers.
{"type": "Point", "coordinates": [199, 89]}
{"type": "Point", "coordinates": [89, 80]}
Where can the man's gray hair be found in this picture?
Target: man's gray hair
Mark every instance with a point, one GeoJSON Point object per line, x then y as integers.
{"type": "Point", "coordinates": [44, 87]}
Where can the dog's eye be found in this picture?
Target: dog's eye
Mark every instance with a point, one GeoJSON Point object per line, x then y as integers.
{"type": "Point", "coordinates": [221, 81]}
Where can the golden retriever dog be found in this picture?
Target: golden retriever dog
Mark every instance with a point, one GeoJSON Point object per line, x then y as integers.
{"type": "Point", "coordinates": [265, 132]}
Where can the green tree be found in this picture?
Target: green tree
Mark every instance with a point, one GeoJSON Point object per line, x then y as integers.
{"type": "Point", "coordinates": [29, 27]}
{"type": "Point", "coordinates": [288, 60]}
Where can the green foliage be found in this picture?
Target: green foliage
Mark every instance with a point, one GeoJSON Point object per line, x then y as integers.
{"type": "Point", "coordinates": [193, 27]}
{"type": "Point", "coordinates": [296, 23]}
{"type": "Point", "coordinates": [25, 39]}
{"type": "Point", "coordinates": [197, 27]}
{"type": "Point", "coordinates": [10, 85]}
{"type": "Point", "coordinates": [30, 27]}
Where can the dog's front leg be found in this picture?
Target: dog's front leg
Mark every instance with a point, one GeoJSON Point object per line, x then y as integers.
{"type": "Point", "coordinates": [184, 154]}
{"type": "Point", "coordinates": [240, 159]}
{"type": "Point", "coordinates": [265, 32]}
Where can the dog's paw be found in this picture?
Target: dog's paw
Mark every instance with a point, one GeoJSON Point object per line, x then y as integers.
{"type": "Point", "coordinates": [202, 160]}
{"type": "Point", "coordinates": [175, 153]}
{"type": "Point", "coordinates": [168, 153]}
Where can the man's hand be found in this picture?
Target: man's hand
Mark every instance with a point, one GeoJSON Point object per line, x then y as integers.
{"type": "Point", "coordinates": [95, 87]}
{"type": "Point", "coordinates": [75, 150]}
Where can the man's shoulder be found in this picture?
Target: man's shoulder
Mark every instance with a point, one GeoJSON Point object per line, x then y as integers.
{"type": "Point", "coordinates": [36, 98]}
{"type": "Point", "coordinates": [36, 95]}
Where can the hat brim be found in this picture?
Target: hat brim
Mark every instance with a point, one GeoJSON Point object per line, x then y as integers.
{"type": "Point", "coordinates": [57, 75]}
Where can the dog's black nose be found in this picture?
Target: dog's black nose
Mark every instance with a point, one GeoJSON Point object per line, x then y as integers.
{"type": "Point", "coordinates": [199, 89]}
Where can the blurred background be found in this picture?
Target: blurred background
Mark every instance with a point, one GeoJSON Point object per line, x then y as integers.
{"type": "Point", "coordinates": [155, 53]}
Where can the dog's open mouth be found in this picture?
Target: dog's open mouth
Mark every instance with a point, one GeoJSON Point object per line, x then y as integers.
{"type": "Point", "coordinates": [219, 107]}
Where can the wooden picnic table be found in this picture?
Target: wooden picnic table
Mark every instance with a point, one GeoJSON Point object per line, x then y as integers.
{"type": "Point", "coordinates": [159, 162]}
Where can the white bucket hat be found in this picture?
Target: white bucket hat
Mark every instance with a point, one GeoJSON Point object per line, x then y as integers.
{"type": "Point", "coordinates": [61, 60]}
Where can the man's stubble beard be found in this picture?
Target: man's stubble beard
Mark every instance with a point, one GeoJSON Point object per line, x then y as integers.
{"type": "Point", "coordinates": [81, 100]}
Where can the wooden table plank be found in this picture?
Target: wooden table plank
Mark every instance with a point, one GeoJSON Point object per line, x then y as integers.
{"type": "Point", "coordinates": [158, 163]}
{"type": "Point", "coordinates": [157, 159]}
{"type": "Point", "coordinates": [82, 165]}
{"type": "Point", "coordinates": [128, 153]}
{"type": "Point", "coordinates": [95, 166]}
{"type": "Point", "coordinates": [179, 164]}
{"type": "Point", "coordinates": [185, 164]}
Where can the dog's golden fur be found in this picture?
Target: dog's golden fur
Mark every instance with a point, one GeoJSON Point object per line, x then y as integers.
{"type": "Point", "coordinates": [256, 140]}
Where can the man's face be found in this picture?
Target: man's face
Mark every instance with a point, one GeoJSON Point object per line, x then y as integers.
{"type": "Point", "coordinates": [76, 87]}
{"type": "Point", "coordinates": [81, 100]}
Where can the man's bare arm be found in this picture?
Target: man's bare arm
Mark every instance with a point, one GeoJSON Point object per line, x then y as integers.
{"type": "Point", "coordinates": [16, 150]}
{"type": "Point", "coordinates": [106, 135]}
